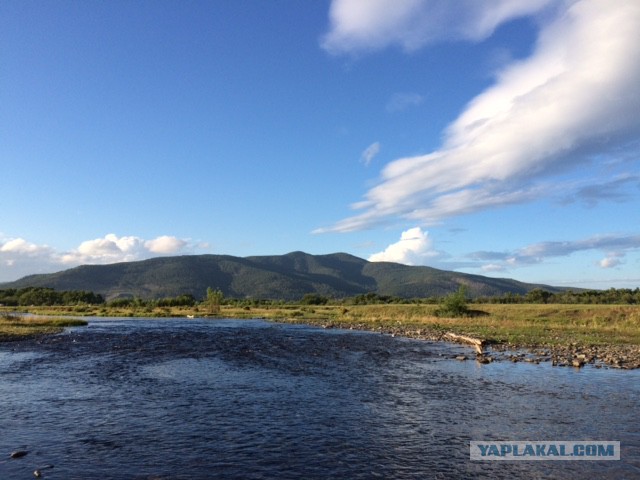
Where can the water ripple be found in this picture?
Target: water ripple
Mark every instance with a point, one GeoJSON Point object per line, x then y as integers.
{"type": "Point", "coordinates": [173, 399]}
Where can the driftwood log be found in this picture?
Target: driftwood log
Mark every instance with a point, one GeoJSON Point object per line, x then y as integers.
{"type": "Point", "coordinates": [476, 342]}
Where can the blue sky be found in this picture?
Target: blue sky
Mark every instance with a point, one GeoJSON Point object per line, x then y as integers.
{"type": "Point", "coordinates": [497, 137]}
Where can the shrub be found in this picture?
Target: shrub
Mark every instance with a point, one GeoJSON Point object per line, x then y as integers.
{"type": "Point", "coordinates": [313, 299]}
{"type": "Point", "coordinates": [454, 304]}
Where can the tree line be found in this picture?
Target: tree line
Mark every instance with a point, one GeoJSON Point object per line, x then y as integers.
{"type": "Point", "coordinates": [612, 296]}
{"type": "Point", "coordinates": [42, 296]}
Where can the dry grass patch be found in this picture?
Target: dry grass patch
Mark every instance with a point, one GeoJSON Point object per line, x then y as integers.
{"type": "Point", "coordinates": [14, 327]}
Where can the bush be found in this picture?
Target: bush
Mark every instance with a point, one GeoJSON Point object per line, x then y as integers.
{"type": "Point", "coordinates": [454, 304]}
{"type": "Point", "coordinates": [313, 299]}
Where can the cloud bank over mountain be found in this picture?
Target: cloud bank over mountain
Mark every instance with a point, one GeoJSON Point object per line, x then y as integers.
{"type": "Point", "coordinates": [20, 257]}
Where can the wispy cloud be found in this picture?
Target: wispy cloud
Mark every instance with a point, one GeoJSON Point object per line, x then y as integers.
{"type": "Point", "coordinates": [570, 106]}
{"type": "Point", "coordinates": [613, 247]}
{"type": "Point", "coordinates": [19, 257]}
{"type": "Point", "coordinates": [617, 189]}
{"type": "Point", "coordinates": [414, 248]}
{"type": "Point", "coordinates": [402, 101]}
{"type": "Point", "coordinates": [370, 152]}
{"type": "Point", "coordinates": [363, 25]}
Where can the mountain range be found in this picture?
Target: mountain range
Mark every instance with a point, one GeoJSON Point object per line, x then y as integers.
{"type": "Point", "coordinates": [283, 277]}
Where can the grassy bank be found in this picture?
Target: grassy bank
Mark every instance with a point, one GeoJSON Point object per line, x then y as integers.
{"type": "Point", "coordinates": [14, 327]}
{"type": "Point", "coordinates": [521, 324]}
{"type": "Point", "coordinates": [563, 334]}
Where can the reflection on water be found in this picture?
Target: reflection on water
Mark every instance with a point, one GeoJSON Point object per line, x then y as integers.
{"type": "Point", "coordinates": [188, 399]}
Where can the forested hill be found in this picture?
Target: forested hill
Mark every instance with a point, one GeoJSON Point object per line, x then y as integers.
{"type": "Point", "coordinates": [285, 277]}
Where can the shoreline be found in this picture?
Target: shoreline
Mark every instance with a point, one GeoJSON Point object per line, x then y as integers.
{"type": "Point", "coordinates": [600, 336]}
{"type": "Point", "coordinates": [625, 357]}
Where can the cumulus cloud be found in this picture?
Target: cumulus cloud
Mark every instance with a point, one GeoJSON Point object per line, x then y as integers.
{"type": "Point", "coordinates": [112, 249]}
{"type": "Point", "coordinates": [165, 245]}
{"type": "Point", "coordinates": [370, 152]}
{"type": "Point", "coordinates": [19, 246]}
{"type": "Point", "coordinates": [414, 248]}
{"type": "Point", "coordinates": [611, 261]}
{"type": "Point", "coordinates": [570, 106]}
{"type": "Point", "coordinates": [362, 25]}
{"type": "Point", "coordinates": [19, 257]}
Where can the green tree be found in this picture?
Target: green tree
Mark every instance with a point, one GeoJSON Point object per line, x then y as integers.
{"type": "Point", "coordinates": [537, 295]}
{"type": "Point", "coordinates": [214, 300]}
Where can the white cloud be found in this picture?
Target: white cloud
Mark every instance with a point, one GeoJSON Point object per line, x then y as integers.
{"type": "Point", "coordinates": [363, 25]}
{"type": "Point", "coordinates": [569, 106]}
{"type": "Point", "coordinates": [109, 249]}
{"type": "Point", "coordinates": [165, 245]}
{"type": "Point", "coordinates": [112, 248]}
{"type": "Point", "coordinates": [402, 101]}
{"type": "Point", "coordinates": [613, 259]}
{"type": "Point", "coordinates": [19, 246]}
{"type": "Point", "coordinates": [609, 262]}
{"type": "Point", "coordinates": [492, 267]}
{"type": "Point", "coordinates": [370, 152]}
{"type": "Point", "coordinates": [18, 257]}
{"type": "Point", "coordinates": [414, 248]}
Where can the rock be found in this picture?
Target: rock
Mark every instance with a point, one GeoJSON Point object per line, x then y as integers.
{"type": "Point", "coordinates": [461, 357]}
{"type": "Point", "coordinates": [38, 472]}
{"type": "Point", "coordinates": [577, 363]}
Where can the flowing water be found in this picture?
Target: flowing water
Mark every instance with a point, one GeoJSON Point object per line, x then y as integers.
{"type": "Point", "coordinates": [199, 399]}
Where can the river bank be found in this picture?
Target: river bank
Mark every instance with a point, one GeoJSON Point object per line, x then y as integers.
{"type": "Point", "coordinates": [14, 327]}
{"type": "Point", "coordinates": [564, 335]}
{"type": "Point", "coordinates": [572, 354]}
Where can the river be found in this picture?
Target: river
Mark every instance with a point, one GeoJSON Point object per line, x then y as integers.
{"type": "Point", "coordinates": [248, 399]}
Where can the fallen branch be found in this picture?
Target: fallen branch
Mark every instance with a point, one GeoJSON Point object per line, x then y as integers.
{"type": "Point", "coordinates": [476, 342]}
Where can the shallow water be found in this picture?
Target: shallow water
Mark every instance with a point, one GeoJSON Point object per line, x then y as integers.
{"type": "Point", "coordinates": [189, 399]}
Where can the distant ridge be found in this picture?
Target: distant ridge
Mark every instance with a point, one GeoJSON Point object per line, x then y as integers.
{"type": "Point", "coordinates": [282, 277]}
